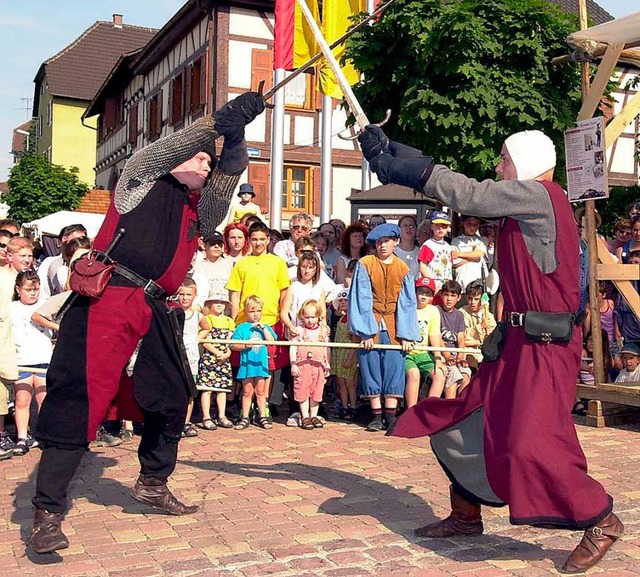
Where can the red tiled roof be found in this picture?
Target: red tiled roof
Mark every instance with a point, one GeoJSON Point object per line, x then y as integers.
{"type": "Point", "coordinates": [596, 13]}
{"type": "Point", "coordinates": [19, 141]}
{"type": "Point", "coordinates": [79, 70]}
{"type": "Point", "coordinates": [96, 201]}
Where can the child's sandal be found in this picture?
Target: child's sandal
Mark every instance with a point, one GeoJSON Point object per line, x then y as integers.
{"type": "Point", "coordinates": [21, 447]}
{"type": "Point", "coordinates": [242, 424]}
{"type": "Point", "coordinates": [317, 422]}
{"type": "Point", "coordinates": [265, 423]}
{"type": "Point", "coordinates": [225, 423]}
{"type": "Point", "coordinates": [307, 424]}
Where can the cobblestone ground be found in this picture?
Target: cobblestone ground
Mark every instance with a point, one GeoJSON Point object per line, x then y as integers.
{"type": "Point", "coordinates": [335, 502]}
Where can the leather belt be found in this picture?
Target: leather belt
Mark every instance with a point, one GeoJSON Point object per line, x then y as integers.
{"type": "Point", "coordinates": [149, 286]}
{"type": "Point", "coordinates": [515, 319]}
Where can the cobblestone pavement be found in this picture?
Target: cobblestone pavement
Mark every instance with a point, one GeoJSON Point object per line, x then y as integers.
{"type": "Point", "coordinates": [334, 502]}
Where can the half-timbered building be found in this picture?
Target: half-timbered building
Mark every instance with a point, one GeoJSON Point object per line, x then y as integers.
{"type": "Point", "coordinates": [208, 53]}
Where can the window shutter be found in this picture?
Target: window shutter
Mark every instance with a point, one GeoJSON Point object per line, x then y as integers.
{"type": "Point", "coordinates": [203, 81]}
{"type": "Point", "coordinates": [261, 68]}
{"type": "Point", "coordinates": [259, 176]}
{"type": "Point", "coordinates": [133, 124]}
{"type": "Point", "coordinates": [315, 205]}
{"type": "Point", "coordinates": [195, 84]}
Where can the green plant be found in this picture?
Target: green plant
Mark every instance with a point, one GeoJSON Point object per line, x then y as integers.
{"type": "Point", "coordinates": [38, 188]}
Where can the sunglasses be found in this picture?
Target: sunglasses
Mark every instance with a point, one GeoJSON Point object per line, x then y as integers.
{"type": "Point", "coordinates": [299, 227]}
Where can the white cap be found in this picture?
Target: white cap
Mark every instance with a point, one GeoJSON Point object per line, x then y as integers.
{"type": "Point", "coordinates": [532, 152]}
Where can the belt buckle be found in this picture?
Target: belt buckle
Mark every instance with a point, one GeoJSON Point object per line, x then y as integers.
{"type": "Point", "coordinates": [153, 289]}
{"type": "Point", "coordinates": [516, 319]}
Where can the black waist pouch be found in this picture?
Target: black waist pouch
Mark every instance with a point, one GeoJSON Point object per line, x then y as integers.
{"type": "Point", "coordinates": [492, 345]}
{"type": "Point", "coordinates": [549, 327]}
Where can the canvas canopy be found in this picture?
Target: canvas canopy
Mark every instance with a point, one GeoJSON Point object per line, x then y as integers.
{"type": "Point", "coordinates": [625, 31]}
{"type": "Point", "coordinates": [51, 224]}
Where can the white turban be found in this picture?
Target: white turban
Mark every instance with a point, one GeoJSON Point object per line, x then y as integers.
{"type": "Point", "coordinates": [532, 153]}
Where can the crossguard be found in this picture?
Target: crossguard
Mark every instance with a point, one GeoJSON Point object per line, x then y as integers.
{"type": "Point", "coordinates": [260, 89]}
{"type": "Point", "coordinates": [381, 123]}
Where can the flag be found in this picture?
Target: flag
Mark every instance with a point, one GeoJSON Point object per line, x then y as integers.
{"type": "Point", "coordinates": [293, 40]}
{"type": "Point", "coordinates": [335, 22]}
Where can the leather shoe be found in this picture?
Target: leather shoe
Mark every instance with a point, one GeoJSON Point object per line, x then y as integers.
{"type": "Point", "coordinates": [46, 535]}
{"type": "Point", "coordinates": [155, 492]}
{"type": "Point", "coordinates": [595, 542]}
{"type": "Point", "coordinates": [465, 519]}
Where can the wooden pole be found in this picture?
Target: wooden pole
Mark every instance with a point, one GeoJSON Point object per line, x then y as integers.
{"type": "Point", "coordinates": [378, 347]}
{"type": "Point", "coordinates": [590, 213]}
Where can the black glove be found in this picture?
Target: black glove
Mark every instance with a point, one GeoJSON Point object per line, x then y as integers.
{"type": "Point", "coordinates": [234, 157]}
{"type": "Point", "coordinates": [373, 141]}
{"type": "Point", "coordinates": [412, 172]}
{"type": "Point", "coordinates": [235, 115]}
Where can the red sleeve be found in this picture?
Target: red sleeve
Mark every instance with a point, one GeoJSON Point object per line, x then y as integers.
{"type": "Point", "coordinates": [425, 254]}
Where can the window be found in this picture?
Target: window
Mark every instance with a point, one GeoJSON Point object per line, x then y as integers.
{"type": "Point", "coordinates": [133, 124]}
{"type": "Point", "coordinates": [296, 188]}
{"type": "Point", "coordinates": [154, 116]}
{"type": "Point", "coordinates": [177, 98]}
{"type": "Point", "coordinates": [50, 111]}
{"type": "Point", "coordinates": [198, 91]}
{"type": "Point", "coordinates": [299, 93]}
{"type": "Point", "coordinates": [39, 126]}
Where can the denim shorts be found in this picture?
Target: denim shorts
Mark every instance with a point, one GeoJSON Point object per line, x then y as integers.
{"type": "Point", "coordinates": [22, 375]}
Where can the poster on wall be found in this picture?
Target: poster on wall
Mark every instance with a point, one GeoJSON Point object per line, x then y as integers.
{"type": "Point", "coordinates": [585, 152]}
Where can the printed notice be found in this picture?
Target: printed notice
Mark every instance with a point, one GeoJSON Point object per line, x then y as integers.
{"type": "Point", "coordinates": [585, 150]}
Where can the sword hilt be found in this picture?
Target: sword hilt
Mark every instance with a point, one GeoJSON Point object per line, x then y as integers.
{"type": "Point", "coordinates": [381, 123]}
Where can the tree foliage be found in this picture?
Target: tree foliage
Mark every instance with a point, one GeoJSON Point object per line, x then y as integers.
{"type": "Point", "coordinates": [616, 206]}
{"type": "Point", "coordinates": [38, 188]}
{"type": "Point", "coordinates": [462, 76]}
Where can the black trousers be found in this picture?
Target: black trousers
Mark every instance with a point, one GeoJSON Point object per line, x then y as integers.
{"type": "Point", "coordinates": [157, 453]}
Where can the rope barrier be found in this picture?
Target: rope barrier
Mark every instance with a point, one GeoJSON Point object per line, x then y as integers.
{"type": "Point", "coordinates": [35, 370]}
{"type": "Point", "coordinates": [256, 342]}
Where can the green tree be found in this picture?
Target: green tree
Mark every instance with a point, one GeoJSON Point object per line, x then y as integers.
{"type": "Point", "coordinates": [461, 76]}
{"type": "Point", "coordinates": [38, 188]}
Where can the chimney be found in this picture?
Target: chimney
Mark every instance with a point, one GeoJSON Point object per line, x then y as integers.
{"type": "Point", "coordinates": [117, 20]}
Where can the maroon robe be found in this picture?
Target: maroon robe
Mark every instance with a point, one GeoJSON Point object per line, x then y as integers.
{"type": "Point", "coordinates": [534, 462]}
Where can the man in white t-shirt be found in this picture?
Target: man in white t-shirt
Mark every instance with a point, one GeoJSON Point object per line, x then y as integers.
{"type": "Point", "coordinates": [472, 252]}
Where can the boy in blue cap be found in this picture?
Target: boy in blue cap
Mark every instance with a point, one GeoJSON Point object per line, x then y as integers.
{"type": "Point", "coordinates": [382, 310]}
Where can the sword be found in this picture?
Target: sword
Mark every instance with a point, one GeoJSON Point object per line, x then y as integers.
{"type": "Point", "coordinates": [318, 56]}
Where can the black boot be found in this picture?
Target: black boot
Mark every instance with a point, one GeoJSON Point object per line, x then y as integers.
{"type": "Point", "coordinates": [155, 492]}
{"type": "Point", "coordinates": [46, 534]}
{"type": "Point", "coordinates": [465, 519]}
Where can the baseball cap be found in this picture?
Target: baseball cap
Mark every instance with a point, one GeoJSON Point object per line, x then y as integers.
{"type": "Point", "coordinates": [426, 282]}
{"type": "Point", "coordinates": [439, 217]}
{"type": "Point", "coordinates": [214, 237]}
{"type": "Point", "coordinates": [631, 349]}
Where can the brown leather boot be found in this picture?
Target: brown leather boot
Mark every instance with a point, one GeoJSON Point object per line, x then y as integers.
{"type": "Point", "coordinates": [155, 492]}
{"type": "Point", "coordinates": [465, 519]}
{"type": "Point", "coordinates": [46, 535]}
{"type": "Point", "coordinates": [594, 544]}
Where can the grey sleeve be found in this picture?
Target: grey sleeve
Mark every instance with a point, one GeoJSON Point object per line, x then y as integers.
{"type": "Point", "coordinates": [526, 201]}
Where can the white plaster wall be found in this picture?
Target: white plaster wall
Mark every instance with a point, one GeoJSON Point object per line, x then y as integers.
{"type": "Point", "coordinates": [303, 131]}
{"type": "Point", "coordinates": [244, 22]}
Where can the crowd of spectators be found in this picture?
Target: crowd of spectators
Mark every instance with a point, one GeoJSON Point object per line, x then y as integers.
{"type": "Point", "coordinates": [250, 282]}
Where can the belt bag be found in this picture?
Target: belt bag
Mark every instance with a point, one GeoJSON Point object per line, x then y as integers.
{"type": "Point", "coordinates": [549, 327]}
{"type": "Point", "coordinates": [492, 345]}
{"type": "Point", "coordinates": [90, 275]}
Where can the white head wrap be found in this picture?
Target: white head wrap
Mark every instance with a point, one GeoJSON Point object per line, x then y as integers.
{"type": "Point", "coordinates": [532, 153]}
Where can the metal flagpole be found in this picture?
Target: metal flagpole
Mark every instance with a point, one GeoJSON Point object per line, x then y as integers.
{"type": "Point", "coordinates": [326, 164]}
{"type": "Point", "coordinates": [277, 154]}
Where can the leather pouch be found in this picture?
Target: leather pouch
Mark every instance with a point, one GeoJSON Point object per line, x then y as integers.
{"type": "Point", "coordinates": [492, 345]}
{"type": "Point", "coordinates": [549, 327]}
{"type": "Point", "coordinates": [90, 275]}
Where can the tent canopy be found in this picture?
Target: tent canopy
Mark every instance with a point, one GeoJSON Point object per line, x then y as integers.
{"type": "Point", "coordinates": [51, 224]}
{"type": "Point", "coordinates": [595, 40]}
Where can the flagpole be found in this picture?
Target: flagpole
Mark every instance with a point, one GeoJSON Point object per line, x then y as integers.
{"type": "Point", "coordinates": [277, 154]}
{"type": "Point", "coordinates": [327, 161]}
{"type": "Point", "coordinates": [366, 170]}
